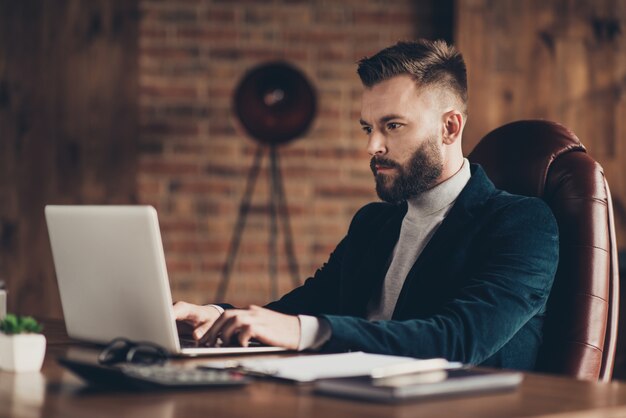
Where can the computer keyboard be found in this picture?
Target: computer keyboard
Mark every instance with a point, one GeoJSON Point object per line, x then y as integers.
{"type": "Point", "coordinates": [152, 376]}
{"type": "Point", "coordinates": [173, 376]}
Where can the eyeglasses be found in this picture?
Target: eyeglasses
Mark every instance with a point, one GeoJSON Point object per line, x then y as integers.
{"type": "Point", "coordinates": [124, 350]}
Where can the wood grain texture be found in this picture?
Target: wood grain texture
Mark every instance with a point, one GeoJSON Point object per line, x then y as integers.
{"type": "Point", "coordinates": [68, 127]}
{"type": "Point", "coordinates": [562, 60]}
{"type": "Point", "coordinates": [58, 393]}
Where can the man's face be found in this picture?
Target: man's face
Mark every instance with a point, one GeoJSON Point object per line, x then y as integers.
{"type": "Point", "coordinates": [403, 125]}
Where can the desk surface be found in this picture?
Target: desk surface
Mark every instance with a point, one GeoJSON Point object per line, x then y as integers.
{"type": "Point", "coordinates": [56, 392]}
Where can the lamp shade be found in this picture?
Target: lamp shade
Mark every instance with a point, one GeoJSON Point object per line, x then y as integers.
{"type": "Point", "coordinates": [275, 103]}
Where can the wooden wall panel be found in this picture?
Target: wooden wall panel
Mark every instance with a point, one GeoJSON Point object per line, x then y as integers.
{"type": "Point", "coordinates": [563, 60]}
{"type": "Point", "coordinates": [68, 127]}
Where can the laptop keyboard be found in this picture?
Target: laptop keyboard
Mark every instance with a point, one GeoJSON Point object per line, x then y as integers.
{"type": "Point", "coordinates": [187, 342]}
{"type": "Point", "coordinates": [172, 376]}
{"type": "Point", "coordinates": [191, 343]}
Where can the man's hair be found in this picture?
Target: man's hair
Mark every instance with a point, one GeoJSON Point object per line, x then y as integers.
{"type": "Point", "coordinates": [429, 63]}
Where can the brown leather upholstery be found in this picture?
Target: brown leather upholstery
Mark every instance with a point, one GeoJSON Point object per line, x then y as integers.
{"type": "Point", "coordinates": [544, 159]}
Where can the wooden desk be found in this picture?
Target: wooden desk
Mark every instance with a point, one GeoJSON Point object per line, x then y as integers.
{"type": "Point", "coordinates": [57, 393]}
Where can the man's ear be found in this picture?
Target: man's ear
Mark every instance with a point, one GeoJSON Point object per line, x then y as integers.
{"type": "Point", "coordinates": [452, 126]}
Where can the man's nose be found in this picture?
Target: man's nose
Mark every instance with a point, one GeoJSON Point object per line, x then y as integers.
{"type": "Point", "coordinates": [376, 144]}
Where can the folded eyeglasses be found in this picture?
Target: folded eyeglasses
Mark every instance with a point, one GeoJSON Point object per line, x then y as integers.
{"type": "Point", "coordinates": [121, 350]}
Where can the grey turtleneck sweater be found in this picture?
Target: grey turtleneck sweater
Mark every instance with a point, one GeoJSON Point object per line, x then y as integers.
{"type": "Point", "coordinates": [424, 215]}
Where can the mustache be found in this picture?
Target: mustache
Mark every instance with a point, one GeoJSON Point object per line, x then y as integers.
{"type": "Point", "coordinates": [385, 162]}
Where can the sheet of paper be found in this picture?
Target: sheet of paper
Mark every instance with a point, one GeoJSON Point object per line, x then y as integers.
{"type": "Point", "coordinates": [312, 367]}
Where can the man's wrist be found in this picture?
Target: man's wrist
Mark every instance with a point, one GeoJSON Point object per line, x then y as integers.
{"type": "Point", "coordinates": [314, 332]}
{"type": "Point", "coordinates": [216, 307]}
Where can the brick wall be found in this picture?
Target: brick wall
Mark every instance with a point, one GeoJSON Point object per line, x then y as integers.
{"type": "Point", "coordinates": [194, 158]}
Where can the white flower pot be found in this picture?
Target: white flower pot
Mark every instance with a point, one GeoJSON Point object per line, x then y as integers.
{"type": "Point", "coordinates": [22, 352]}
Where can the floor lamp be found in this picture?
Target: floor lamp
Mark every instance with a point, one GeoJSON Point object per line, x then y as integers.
{"type": "Point", "coordinates": [275, 104]}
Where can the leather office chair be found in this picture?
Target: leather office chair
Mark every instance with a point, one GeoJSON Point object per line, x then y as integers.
{"type": "Point", "coordinates": [544, 159]}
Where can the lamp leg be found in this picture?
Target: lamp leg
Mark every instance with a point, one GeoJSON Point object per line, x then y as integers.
{"type": "Point", "coordinates": [277, 205]}
{"type": "Point", "coordinates": [273, 226]}
{"type": "Point", "coordinates": [284, 215]}
{"type": "Point", "coordinates": [244, 208]}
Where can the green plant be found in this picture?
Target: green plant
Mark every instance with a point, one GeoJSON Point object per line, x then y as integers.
{"type": "Point", "coordinates": [13, 324]}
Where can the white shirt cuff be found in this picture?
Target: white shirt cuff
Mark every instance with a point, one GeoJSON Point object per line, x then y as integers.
{"type": "Point", "coordinates": [219, 308]}
{"type": "Point", "coordinates": [314, 332]}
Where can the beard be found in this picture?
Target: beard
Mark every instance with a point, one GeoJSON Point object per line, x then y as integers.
{"type": "Point", "coordinates": [419, 174]}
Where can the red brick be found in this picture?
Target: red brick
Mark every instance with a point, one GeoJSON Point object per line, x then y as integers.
{"type": "Point", "coordinates": [315, 35]}
{"type": "Point", "coordinates": [206, 34]}
{"type": "Point", "coordinates": [212, 265]}
{"type": "Point", "coordinates": [225, 170]}
{"type": "Point", "coordinates": [192, 148]}
{"type": "Point", "coordinates": [169, 128]}
{"type": "Point", "coordinates": [304, 173]}
{"type": "Point", "coordinates": [336, 153]}
{"type": "Point", "coordinates": [179, 266]}
{"type": "Point", "coordinates": [219, 16]}
{"type": "Point", "coordinates": [256, 53]}
{"type": "Point", "coordinates": [168, 167]}
{"type": "Point", "coordinates": [286, 151]}
{"type": "Point", "coordinates": [334, 54]}
{"type": "Point", "coordinates": [170, 53]}
{"type": "Point", "coordinates": [149, 187]}
{"type": "Point", "coordinates": [172, 92]}
{"type": "Point", "coordinates": [335, 15]}
{"type": "Point", "coordinates": [222, 128]}
{"type": "Point", "coordinates": [264, 209]}
{"type": "Point", "coordinates": [342, 191]}
{"type": "Point", "coordinates": [186, 246]}
{"type": "Point", "coordinates": [220, 91]}
{"type": "Point", "coordinates": [195, 156]}
{"type": "Point", "coordinates": [152, 34]}
{"type": "Point", "coordinates": [383, 17]}
{"type": "Point", "coordinates": [202, 187]}
{"type": "Point", "coordinates": [182, 15]}
{"type": "Point", "coordinates": [177, 225]}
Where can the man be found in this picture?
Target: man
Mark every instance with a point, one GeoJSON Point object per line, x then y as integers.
{"type": "Point", "coordinates": [448, 267]}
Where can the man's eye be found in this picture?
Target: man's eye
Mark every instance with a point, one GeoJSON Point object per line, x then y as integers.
{"type": "Point", "coordinates": [393, 125]}
{"type": "Point", "coordinates": [367, 130]}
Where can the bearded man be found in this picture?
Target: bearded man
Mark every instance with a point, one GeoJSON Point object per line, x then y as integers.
{"type": "Point", "coordinates": [447, 266]}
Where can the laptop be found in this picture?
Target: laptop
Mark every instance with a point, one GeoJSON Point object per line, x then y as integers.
{"type": "Point", "coordinates": [112, 278]}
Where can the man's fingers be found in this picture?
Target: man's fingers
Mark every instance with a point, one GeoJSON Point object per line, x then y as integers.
{"type": "Point", "coordinates": [245, 335]}
{"type": "Point", "coordinates": [230, 330]}
{"type": "Point", "coordinates": [184, 328]}
{"type": "Point", "coordinates": [180, 310]}
{"type": "Point", "coordinates": [199, 318]}
{"type": "Point", "coordinates": [184, 311]}
{"type": "Point", "coordinates": [199, 332]}
{"type": "Point", "coordinates": [255, 322]}
{"type": "Point", "coordinates": [226, 327]}
{"type": "Point", "coordinates": [214, 331]}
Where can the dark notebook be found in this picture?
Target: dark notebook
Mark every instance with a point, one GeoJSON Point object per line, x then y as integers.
{"type": "Point", "coordinates": [423, 385]}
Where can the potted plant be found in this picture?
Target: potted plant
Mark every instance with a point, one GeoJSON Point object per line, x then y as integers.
{"type": "Point", "coordinates": [22, 346]}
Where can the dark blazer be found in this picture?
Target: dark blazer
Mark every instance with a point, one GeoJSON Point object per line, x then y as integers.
{"type": "Point", "coordinates": [476, 294]}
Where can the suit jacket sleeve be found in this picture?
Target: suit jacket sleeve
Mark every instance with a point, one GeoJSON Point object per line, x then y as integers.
{"type": "Point", "coordinates": [510, 288]}
{"type": "Point", "coordinates": [318, 294]}
{"type": "Point", "coordinates": [323, 293]}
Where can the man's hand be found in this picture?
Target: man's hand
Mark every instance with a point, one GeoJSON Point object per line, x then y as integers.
{"type": "Point", "coordinates": [267, 326]}
{"type": "Point", "coordinates": [199, 318]}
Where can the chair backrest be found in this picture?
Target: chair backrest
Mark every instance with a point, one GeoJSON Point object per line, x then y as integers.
{"type": "Point", "coordinates": [546, 160]}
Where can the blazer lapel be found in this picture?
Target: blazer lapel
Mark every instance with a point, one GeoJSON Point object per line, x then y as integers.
{"type": "Point", "coordinates": [373, 262]}
{"type": "Point", "coordinates": [472, 197]}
